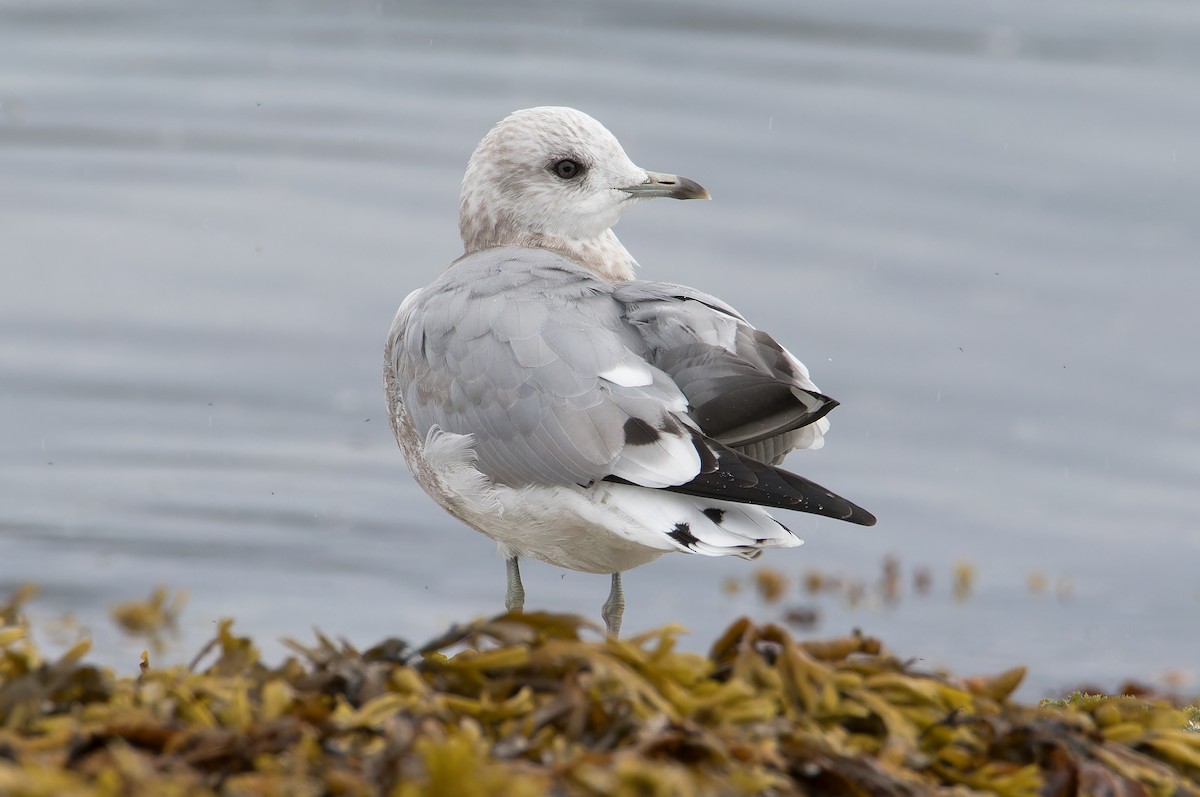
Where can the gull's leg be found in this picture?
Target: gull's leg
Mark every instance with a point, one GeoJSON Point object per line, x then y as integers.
{"type": "Point", "coordinates": [514, 598]}
{"type": "Point", "coordinates": [614, 607]}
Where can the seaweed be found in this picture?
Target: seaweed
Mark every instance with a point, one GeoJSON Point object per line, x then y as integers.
{"type": "Point", "coordinates": [542, 703]}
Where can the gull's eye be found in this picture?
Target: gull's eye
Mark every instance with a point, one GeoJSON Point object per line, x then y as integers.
{"type": "Point", "coordinates": [567, 169]}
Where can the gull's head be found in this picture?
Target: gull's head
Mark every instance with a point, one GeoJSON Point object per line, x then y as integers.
{"type": "Point", "coordinates": [555, 177]}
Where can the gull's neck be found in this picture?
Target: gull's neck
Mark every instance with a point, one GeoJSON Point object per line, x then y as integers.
{"type": "Point", "coordinates": [604, 255]}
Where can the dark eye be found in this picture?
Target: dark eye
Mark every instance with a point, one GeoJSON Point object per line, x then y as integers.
{"type": "Point", "coordinates": [567, 169]}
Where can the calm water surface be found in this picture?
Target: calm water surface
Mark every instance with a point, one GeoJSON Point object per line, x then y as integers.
{"type": "Point", "coordinates": [978, 225]}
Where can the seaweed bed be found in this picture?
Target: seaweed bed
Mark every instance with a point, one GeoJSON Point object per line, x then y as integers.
{"type": "Point", "coordinates": [542, 704]}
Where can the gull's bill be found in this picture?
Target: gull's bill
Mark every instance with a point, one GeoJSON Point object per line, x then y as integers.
{"type": "Point", "coordinates": [672, 186]}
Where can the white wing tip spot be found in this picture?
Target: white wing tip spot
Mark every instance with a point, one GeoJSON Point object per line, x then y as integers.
{"type": "Point", "coordinates": [628, 376]}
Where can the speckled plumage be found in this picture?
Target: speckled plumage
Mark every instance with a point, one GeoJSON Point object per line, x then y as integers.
{"type": "Point", "coordinates": [510, 198]}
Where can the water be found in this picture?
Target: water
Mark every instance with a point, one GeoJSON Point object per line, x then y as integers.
{"type": "Point", "coordinates": [977, 224]}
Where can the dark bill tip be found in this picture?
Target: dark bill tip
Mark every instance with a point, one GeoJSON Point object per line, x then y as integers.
{"type": "Point", "coordinates": [668, 185]}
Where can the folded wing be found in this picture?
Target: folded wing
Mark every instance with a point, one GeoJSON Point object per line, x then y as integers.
{"type": "Point", "coordinates": [562, 378]}
{"type": "Point", "coordinates": [746, 391]}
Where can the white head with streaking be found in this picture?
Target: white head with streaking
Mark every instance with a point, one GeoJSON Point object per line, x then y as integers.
{"type": "Point", "coordinates": [555, 178]}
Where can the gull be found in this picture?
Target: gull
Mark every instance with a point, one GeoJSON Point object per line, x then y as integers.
{"type": "Point", "coordinates": [547, 398]}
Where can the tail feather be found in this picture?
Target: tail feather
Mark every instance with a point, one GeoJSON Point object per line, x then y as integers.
{"type": "Point", "coordinates": [694, 524]}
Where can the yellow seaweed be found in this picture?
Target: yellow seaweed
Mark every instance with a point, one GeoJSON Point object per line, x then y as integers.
{"type": "Point", "coordinates": [543, 704]}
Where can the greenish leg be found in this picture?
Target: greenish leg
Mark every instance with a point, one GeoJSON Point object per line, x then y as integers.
{"type": "Point", "coordinates": [614, 608]}
{"type": "Point", "coordinates": [514, 598]}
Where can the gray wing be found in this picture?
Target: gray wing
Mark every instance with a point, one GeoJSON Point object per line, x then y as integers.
{"type": "Point", "coordinates": [561, 378]}
{"type": "Point", "coordinates": [746, 391]}
{"type": "Point", "coordinates": [527, 351]}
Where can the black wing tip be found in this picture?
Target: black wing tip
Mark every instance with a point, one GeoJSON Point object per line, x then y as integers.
{"type": "Point", "coordinates": [860, 516]}
{"type": "Point", "coordinates": [829, 406]}
{"type": "Point", "coordinates": [729, 475]}
{"type": "Point", "coordinates": [829, 504]}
